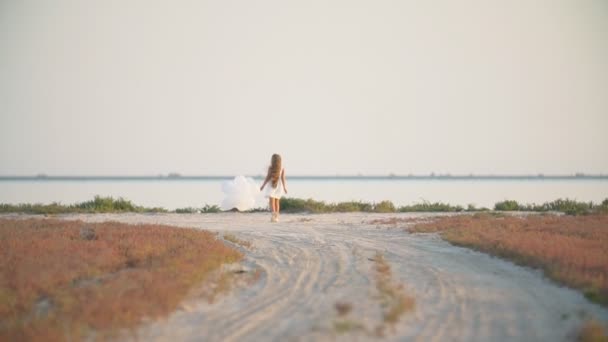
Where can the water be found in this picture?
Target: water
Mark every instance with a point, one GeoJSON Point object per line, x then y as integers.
{"type": "Point", "coordinates": [176, 193]}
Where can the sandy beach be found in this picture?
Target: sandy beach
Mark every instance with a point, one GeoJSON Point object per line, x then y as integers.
{"type": "Point", "coordinates": [308, 263]}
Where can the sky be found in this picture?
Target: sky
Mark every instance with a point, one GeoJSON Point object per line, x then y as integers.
{"type": "Point", "coordinates": [142, 87]}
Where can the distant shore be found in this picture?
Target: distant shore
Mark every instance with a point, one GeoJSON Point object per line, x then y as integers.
{"type": "Point", "coordinates": [432, 176]}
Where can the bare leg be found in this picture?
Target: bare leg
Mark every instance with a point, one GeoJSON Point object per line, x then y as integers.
{"type": "Point", "coordinates": [277, 205]}
{"type": "Point", "coordinates": [276, 209]}
{"type": "Point", "coordinates": [273, 210]}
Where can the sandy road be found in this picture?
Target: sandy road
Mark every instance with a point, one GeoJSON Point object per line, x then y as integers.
{"type": "Point", "coordinates": [310, 262]}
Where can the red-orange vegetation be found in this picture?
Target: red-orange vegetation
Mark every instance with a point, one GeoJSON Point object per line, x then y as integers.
{"type": "Point", "coordinates": [569, 249]}
{"type": "Point", "coordinates": [62, 280]}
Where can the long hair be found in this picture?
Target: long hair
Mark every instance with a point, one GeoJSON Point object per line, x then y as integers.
{"type": "Point", "coordinates": [274, 170]}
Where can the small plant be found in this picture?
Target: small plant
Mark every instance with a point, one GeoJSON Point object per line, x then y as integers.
{"type": "Point", "coordinates": [210, 209]}
{"type": "Point", "coordinates": [343, 326]}
{"type": "Point", "coordinates": [343, 308]}
{"type": "Point", "coordinates": [232, 238]}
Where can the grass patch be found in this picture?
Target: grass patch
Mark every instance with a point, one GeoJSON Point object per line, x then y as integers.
{"type": "Point", "coordinates": [203, 210]}
{"type": "Point", "coordinates": [343, 326]}
{"type": "Point", "coordinates": [392, 296]}
{"type": "Point", "coordinates": [232, 238]}
{"type": "Point", "coordinates": [567, 206]}
{"type": "Point", "coordinates": [62, 280]}
{"type": "Point", "coordinates": [99, 204]}
{"type": "Point", "coordinates": [434, 207]}
{"type": "Point", "coordinates": [592, 331]}
{"type": "Point", "coordinates": [569, 249]}
{"type": "Point", "coordinates": [298, 205]}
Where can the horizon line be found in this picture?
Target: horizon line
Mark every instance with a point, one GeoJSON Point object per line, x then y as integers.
{"type": "Point", "coordinates": [390, 176]}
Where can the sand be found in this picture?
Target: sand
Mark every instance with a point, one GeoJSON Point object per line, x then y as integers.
{"type": "Point", "coordinates": [310, 262]}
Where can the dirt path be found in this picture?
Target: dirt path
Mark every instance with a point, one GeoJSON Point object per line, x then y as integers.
{"type": "Point", "coordinates": [309, 263]}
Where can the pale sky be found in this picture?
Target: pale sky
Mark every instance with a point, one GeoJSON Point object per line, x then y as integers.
{"type": "Point", "coordinates": [336, 87]}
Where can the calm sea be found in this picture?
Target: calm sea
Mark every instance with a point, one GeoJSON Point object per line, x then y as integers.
{"type": "Point", "coordinates": [178, 193]}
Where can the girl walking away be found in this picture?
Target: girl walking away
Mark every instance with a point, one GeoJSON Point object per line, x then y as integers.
{"type": "Point", "coordinates": [276, 189]}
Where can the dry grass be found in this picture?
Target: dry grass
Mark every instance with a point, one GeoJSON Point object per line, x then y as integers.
{"type": "Point", "coordinates": [393, 221]}
{"type": "Point", "coordinates": [61, 280]}
{"type": "Point", "coordinates": [592, 331]}
{"type": "Point", "coordinates": [232, 238]}
{"type": "Point", "coordinates": [393, 299]}
{"type": "Point", "coordinates": [569, 249]}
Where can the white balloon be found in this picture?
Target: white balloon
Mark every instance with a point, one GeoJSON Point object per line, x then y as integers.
{"type": "Point", "coordinates": [241, 193]}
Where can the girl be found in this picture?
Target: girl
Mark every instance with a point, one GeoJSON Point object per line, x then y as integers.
{"type": "Point", "coordinates": [275, 171]}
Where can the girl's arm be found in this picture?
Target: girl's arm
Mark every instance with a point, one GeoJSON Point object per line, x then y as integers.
{"type": "Point", "coordinates": [265, 181]}
{"type": "Point", "coordinates": [283, 180]}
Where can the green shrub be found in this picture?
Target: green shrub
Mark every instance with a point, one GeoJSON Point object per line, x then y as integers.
{"type": "Point", "coordinates": [384, 207]}
{"type": "Point", "coordinates": [567, 206]}
{"type": "Point", "coordinates": [507, 206]}
{"type": "Point", "coordinates": [344, 207]}
{"type": "Point", "coordinates": [188, 210]}
{"type": "Point", "coordinates": [300, 205]}
{"type": "Point", "coordinates": [107, 204]}
{"type": "Point", "coordinates": [206, 209]}
{"type": "Point", "coordinates": [210, 209]}
{"type": "Point", "coordinates": [97, 205]}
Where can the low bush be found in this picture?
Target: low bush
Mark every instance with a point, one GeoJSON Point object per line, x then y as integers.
{"type": "Point", "coordinates": [507, 206]}
{"type": "Point", "coordinates": [99, 204]}
{"type": "Point", "coordinates": [294, 205]}
{"type": "Point", "coordinates": [384, 207]}
{"type": "Point", "coordinates": [567, 206]}
{"type": "Point", "coordinates": [206, 209]}
{"type": "Point", "coordinates": [432, 207]}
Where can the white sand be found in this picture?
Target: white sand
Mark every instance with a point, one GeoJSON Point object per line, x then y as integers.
{"type": "Point", "coordinates": [307, 266]}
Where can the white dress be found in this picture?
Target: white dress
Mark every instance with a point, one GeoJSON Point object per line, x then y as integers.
{"type": "Point", "coordinates": [278, 191]}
